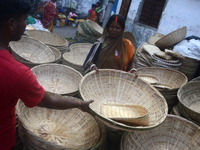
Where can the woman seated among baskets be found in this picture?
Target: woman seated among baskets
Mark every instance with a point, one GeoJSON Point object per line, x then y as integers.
{"type": "Point", "coordinates": [112, 51]}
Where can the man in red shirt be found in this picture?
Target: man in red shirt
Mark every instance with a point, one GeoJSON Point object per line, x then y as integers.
{"type": "Point", "coordinates": [17, 80]}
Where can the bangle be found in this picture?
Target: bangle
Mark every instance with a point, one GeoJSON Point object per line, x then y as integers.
{"type": "Point", "coordinates": [133, 69]}
{"type": "Point", "coordinates": [93, 65]}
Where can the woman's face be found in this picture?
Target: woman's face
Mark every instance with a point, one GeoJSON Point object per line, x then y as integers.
{"type": "Point", "coordinates": [114, 30]}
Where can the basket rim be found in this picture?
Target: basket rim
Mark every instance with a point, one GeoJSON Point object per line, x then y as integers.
{"type": "Point", "coordinates": [114, 123]}
{"type": "Point", "coordinates": [162, 68]}
{"type": "Point", "coordinates": [179, 96]}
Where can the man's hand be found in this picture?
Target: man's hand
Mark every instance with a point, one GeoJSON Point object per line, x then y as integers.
{"type": "Point", "coordinates": [84, 105]}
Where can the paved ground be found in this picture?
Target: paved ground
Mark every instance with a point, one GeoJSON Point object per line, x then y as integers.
{"type": "Point", "coordinates": [66, 31]}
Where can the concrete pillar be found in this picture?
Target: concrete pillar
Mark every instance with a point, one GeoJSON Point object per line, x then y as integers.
{"type": "Point", "coordinates": [108, 12]}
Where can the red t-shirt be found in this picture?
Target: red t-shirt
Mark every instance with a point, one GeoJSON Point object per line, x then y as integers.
{"type": "Point", "coordinates": [16, 81]}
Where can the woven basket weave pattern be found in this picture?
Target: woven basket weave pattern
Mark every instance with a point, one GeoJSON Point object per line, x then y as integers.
{"type": "Point", "coordinates": [74, 128]}
{"type": "Point", "coordinates": [174, 133]}
{"type": "Point", "coordinates": [29, 49]}
{"type": "Point", "coordinates": [112, 86]}
{"type": "Point", "coordinates": [57, 78]}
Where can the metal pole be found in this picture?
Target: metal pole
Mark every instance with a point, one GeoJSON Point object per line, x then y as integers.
{"type": "Point", "coordinates": [108, 12]}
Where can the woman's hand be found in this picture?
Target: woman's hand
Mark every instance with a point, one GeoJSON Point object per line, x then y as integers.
{"type": "Point", "coordinates": [84, 105]}
{"type": "Point", "coordinates": [94, 67]}
{"type": "Point", "coordinates": [133, 70]}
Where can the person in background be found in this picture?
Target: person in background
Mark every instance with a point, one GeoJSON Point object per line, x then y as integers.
{"type": "Point", "coordinates": [49, 14]}
{"type": "Point", "coordinates": [101, 14]}
{"type": "Point", "coordinates": [97, 10]}
{"type": "Point", "coordinates": [72, 14]}
{"type": "Point", "coordinates": [16, 80]}
{"type": "Point", "coordinates": [92, 13]}
{"type": "Point", "coordinates": [112, 51]}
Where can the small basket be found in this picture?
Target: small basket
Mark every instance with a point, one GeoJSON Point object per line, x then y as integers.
{"type": "Point", "coordinates": [77, 55]}
{"type": "Point", "coordinates": [31, 50]}
{"type": "Point", "coordinates": [110, 86]}
{"type": "Point", "coordinates": [58, 78]}
{"type": "Point", "coordinates": [171, 38]}
{"type": "Point", "coordinates": [50, 129]}
{"type": "Point", "coordinates": [189, 100]}
{"type": "Point", "coordinates": [175, 133]}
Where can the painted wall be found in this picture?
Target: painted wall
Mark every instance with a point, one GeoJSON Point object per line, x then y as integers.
{"type": "Point", "coordinates": [177, 13]}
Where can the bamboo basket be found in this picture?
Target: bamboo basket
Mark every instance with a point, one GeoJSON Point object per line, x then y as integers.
{"type": "Point", "coordinates": [31, 50]}
{"type": "Point", "coordinates": [58, 78]}
{"type": "Point", "coordinates": [47, 37]}
{"type": "Point", "coordinates": [56, 52]}
{"type": "Point", "coordinates": [189, 100]}
{"type": "Point", "coordinates": [171, 38]}
{"type": "Point", "coordinates": [110, 86]}
{"type": "Point", "coordinates": [149, 78]}
{"type": "Point", "coordinates": [128, 35]}
{"type": "Point", "coordinates": [50, 129]}
{"type": "Point", "coordinates": [175, 133]}
{"type": "Point", "coordinates": [77, 55]}
{"type": "Point", "coordinates": [153, 39]}
{"type": "Point", "coordinates": [170, 78]}
{"type": "Point", "coordinates": [50, 39]}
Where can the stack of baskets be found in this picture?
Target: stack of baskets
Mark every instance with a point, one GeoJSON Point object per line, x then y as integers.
{"type": "Point", "coordinates": [50, 129]}
{"type": "Point", "coordinates": [111, 87]}
{"type": "Point", "coordinates": [169, 82]}
{"type": "Point", "coordinates": [175, 133]}
{"type": "Point", "coordinates": [189, 100]}
{"type": "Point", "coordinates": [76, 56]}
{"type": "Point", "coordinates": [89, 31]}
{"type": "Point", "coordinates": [150, 55]}
{"type": "Point", "coordinates": [58, 78]}
{"type": "Point", "coordinates": [50, 39]}
{"type": "Point", "coordinates": [31, 52]}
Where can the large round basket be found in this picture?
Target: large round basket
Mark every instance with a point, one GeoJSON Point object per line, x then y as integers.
{"type": "Point", "coordinates": [50, 129]}
{"type": "Point", "coordinates": [56, 52]}
{"type": "Point", "coordinates": [172, 79]}
{"type": "Point", "coordinates": [189, 100]}
{"type": "Point", "coordinates": [31, 50]}
{"type": "Point", "coordinates": [50, 39]}
{"type": "Point", "coordinates": [76, 56]}
{"type": "Point", "coordinates": [175, 133]}
{"type": "Point", "coordinates": [110, 86]}
{"type": "Point", "coordinates": [171, 38]}
{"type": "Point", "coordinates": [58, 78]}
{"type": "Point", "coordinates": [47, 37]}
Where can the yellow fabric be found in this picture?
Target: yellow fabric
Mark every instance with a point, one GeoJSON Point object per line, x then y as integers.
{"type": "Point", "coordinates": [50, 28]}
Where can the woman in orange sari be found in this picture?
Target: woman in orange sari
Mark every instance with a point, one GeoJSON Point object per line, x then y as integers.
{"type": "Point", "coordinates": [112, 51]}
{"type": "Point", "coordinates": [49, 14]}
{"type": "Point", "coordinates": [92, 13]}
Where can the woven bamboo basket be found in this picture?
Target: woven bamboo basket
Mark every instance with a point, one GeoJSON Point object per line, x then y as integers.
{"type": "Point", "coordinates": [97, 29]}
{"type": "Point", "coordinates": [128, 35]}
{"type": "Point", "coordinates": [172, 38]}
{"type": "Point", "coordinates": [189, 100]}
{"type": "Point", "coordinates": [110, 86]}
{"type": "Point", "coordinates": [175, 133]}
{"type": "Point", "coordinates": [149, 78]}
{"type": "Point", "coordinates": [56, 52]}
{"type": "Point", "coordinates": [50, 129]}
{"type": "Point", "coordinates": [169, 82]}
{"type": "Point", "coordinates": [76, 56]}
{"type": "Point", "coordinates": [58, 78]}
{"type": "Point", "coordinates": [189, 67]}
{"type": "Point", "coordinates": [196, 79]}
{"type": "Point", "coordinates": [47, 37]}
{"type": "Point", "coordinates": [31, 50]}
